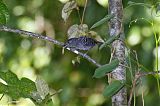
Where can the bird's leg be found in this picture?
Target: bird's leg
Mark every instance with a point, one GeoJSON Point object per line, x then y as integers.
{"type": "Point", "coordinates": [63, 50]}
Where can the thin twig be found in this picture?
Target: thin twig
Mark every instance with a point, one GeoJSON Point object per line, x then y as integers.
{"type": "Point", "coordinates": [109, 74]}
{"type": "Point", "coordinates": [35, 35]}
{"type": "Point", "coordinates": [84, 11]}
{"type": "Point", "coordinates": [59, 91]}
{"type": "Point", "coordinates": [79, 15]}
{"type": "Point", "coordinates": [30, 34]}
{"type": "Point", "coordinates": [131, 93]}
{"type": "Point", "coordinates": [147, 73]}
{"type": "Point", "coordinates": [138, 68]}
{"type": "Point", "coordinates": [1, 97]}
{"type": "Point", "coordinates": [137, 76]}
{"type": "Point", "coordinates": [142, 94]}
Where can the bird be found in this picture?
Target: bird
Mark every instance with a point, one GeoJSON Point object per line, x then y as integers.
{"type": "Point", "coordinates": [84, 43]}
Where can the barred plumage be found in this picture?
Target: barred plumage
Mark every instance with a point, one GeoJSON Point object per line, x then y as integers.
{"type": "Point", "coordinates": [81, 43]}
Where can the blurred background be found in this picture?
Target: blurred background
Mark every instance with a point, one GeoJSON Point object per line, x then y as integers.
{"type": "Point", "coordinates": [28, 57]}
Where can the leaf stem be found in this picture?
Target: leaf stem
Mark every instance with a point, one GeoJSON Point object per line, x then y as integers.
{"type": "Point", "coordinates": [84, 11]}
{"type": "Point", "coordinates": [1, 97]}
{"type": "Point", "coordinates": [79, 15]}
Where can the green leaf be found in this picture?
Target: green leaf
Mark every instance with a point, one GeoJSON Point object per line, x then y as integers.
{"type": "Point", "coordinates": [77, 30]}
{"type": "Point", "coordinates": [67, 9]}
{"type": "Point", "coordinates": [41, 96]}
{"type": "Point", "coordinates": [103, 20]}
{"type": "Point", "coordinates": [16, 88]}
{"type": "Point", "coordinates": [131, 3]}
{"type": "Point", "coordinates": [113, 88]}
{"type": "Point", "coordinates": [4, 13]}
{"type": "Point", "coordinates": [27, 86]}
{"type": "Point", "coordinates": [3, 88]}
{"type": "Point", "coordinates": [2, 18]}
{"type": "Point", "coordinates": [109, 41]}
{"type": "Point", "coordinates": [42, 87]}
{"type": "Point", "coordinates": [14, 92]}
{"type": "Point", "coordinates": [103, 70]}
{"type": "Point", "coordinates": [9, 77]}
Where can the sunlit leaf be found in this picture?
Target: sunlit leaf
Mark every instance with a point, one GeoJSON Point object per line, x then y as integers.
{"type": "Point", "coordinates": [95, 35]}
{"type": "Point", "coordinates": [42, 87]}
{"type": "Point", "coordinates": [103, 70]}
{"type": "Point", "coordinates": [73, 31]}
{"type": "Point", "coordinates": [83, 29]}
{"type": "Point", "coordinates": [36, 97]}
{"type": "Point", "coordinates": [16, 88]}
{"type": "Point", "coordinates": [38, 100]}
{"type": "Point", "coordinates": [112, 88]}
{"type": "Point", "coordinates": [67, 9]}
{"type": "Point", "coordinates": [77, 31]}
{"type": "Point", "coordinates": [102, 21]}
{"type": "Point", "coordinates": [4, 13]}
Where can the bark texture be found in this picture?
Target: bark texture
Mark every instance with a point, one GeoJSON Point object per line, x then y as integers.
{"type": "Point", "coordinates": [118, 49]}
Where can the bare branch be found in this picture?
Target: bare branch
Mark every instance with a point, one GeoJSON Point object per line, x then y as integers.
{"type": "Point", "coordinates": [35, 35]}
{"type": "Point", "coordinates": [147, 73]}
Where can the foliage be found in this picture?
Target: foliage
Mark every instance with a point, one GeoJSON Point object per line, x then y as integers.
{"type": "Point", "coordinates": [16, 88]}
{"type": "Point", "coordinates": [105, 69]}
{"type": "Point", "coordinates": [112, 88]}
{"type": "Point", "coordinates": [35, 56]}
{"type": "Point", "coordinates": [103, 20]}
{"type": "Point", "coordinates": [4, 13]}
{"type": "Point", "coordinates": [67, 9]}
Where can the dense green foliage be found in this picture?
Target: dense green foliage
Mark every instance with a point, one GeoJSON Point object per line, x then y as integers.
{"type": "Point", "coordinates": [27, 57]}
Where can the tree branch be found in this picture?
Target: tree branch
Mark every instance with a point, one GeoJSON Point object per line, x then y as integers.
{"type": "Point", "coordinates": [116, 29]}
{"type": "Point", "coordinates": [35, 35]}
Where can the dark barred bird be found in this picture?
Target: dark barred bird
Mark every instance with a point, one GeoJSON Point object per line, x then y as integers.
{"type": "Point", "coordinates": [81, 43]}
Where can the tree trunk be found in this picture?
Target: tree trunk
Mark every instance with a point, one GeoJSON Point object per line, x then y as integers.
{"type": "Point", "coordinates": [118, 49]}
